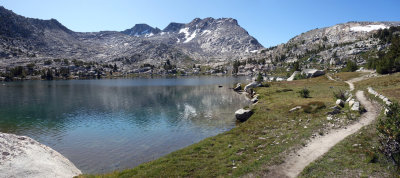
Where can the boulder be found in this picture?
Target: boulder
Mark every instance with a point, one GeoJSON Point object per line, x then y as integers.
{"type": "Point", "coordinates": [254, 100]}
{"type": "Point", "coordinates": [356, 106]}
{"type": "Point", "coordinates": [340, 103]}
{"type": "Point", "coordinates": [351, 102]}
{"type": "Point", "coordinates": [350, 97]}
{"type": "Point", "coordinates": [335, 110]}
{"type": "Point", "coordinates": [313, 72]}
{"type": "Point", "coordinates": [243, 114]}
{"type": "Point", "coordinates": [251, 86]}
{"type": "Point", "coordinates": [238, 87]}
{"type": "Point", "coordinates": [295, 109]}
{"type": "Point", "coordinates": [291, 78]}
{"type": "Point", "coordinates": [280, 79]}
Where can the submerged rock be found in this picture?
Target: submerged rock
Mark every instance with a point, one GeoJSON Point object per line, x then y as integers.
{"type": "Point", "coordinates": [243, 114]}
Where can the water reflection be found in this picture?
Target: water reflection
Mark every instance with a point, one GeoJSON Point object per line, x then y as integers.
{"type": "Point", "coordinates": [102, 125]}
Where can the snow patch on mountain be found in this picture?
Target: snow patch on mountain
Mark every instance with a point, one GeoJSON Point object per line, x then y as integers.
{"type": "Point", "coordinates": [206, 32]}
{"type": "Point", "coordinates": [191, 37]}
{"type": "Point", "coordinates": [185, 31]}
{"type": "Point", "coordinates": [368, 28]}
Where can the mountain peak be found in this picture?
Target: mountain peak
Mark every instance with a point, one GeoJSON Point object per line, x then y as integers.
{"type": "Point", "coordinates": [141, 29]}
{"type": "Point", "coordinates": [173, 27]}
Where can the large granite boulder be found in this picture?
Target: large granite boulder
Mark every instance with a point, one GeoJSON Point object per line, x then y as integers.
{"type": "Point", "coordinates": [24, 157]}
{"type": "Point", "coordinates": [251, 86]}
{"type": "Point", "coordinates": [243, 114]}
{"type": "Point", "coordinates": [313, 72]}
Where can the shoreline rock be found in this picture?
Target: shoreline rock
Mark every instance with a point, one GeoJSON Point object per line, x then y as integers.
{"type": "Point", "coordinates": [243, 114]}
{"type": "Point", "coordinates": [22, 156]}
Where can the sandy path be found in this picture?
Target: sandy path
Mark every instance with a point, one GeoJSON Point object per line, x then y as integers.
{"type": "Point", "coordinates": [294, 164]}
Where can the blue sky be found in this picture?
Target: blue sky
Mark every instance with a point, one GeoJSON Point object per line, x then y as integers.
{"type": "Point", "coordinates": [270, 21]}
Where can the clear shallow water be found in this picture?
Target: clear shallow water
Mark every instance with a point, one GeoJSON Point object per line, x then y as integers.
{"type": "Point", "coordinates": [104, 125]}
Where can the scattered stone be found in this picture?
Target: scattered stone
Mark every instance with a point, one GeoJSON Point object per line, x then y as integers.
{"type": "Point", "coordinates": [328, 118]}
{"type": "Point", "coordinates": [340, 103]}
{"type": "Point", "coordinates": [351, 102]}
{"type": "Point", "coordinates": [295, 109]}
{"type": "Point", "coordinates": [254, 100]}
{"type": "Point", "coordinates": [356, 106]}
{"type": "Point", "coordinates": [238, 87]}
{"type": "Point", "coordinates": [335, 110]}
{"type": "Point", "coordinates": [243, 114]}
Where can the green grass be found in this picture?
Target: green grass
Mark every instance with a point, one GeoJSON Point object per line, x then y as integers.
{"type": "Point", "coordinates": [254, 145]}
{"type": "Point", "coordinates": [388, 85]}
{"type": "Point", "coordinates": [344, 76]}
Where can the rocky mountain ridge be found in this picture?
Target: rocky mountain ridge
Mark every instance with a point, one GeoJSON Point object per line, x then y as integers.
{"type": "Point", "coordinates": [329, 47]}
{"type": "Point", "coordinates": [28, 40]}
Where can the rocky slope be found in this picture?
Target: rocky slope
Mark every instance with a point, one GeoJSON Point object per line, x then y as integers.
{"type": "Point", "coordinates": [322, 48]}
{"type": "Point", "coordinates": [25, 40]}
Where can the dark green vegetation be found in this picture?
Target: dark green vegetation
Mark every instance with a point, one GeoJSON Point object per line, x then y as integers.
{"type": "Point", "coordinates": [389, 130]}
{"type": "Point", "coordinates": [304, 93]}
{"type": "Point", "coordinates": [351, 66]}
{"type": "Point", "coordinates": [387, 61]}
{"type": "Point", "coordinates": [259, 78]}
{"type": "Point", "coordinates": [256, 144]}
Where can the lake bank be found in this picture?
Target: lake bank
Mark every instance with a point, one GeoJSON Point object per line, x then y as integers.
{"type": "Point", "coordinates": [119, 123]}
{"type": "Point", "coordinates": [260, 142]}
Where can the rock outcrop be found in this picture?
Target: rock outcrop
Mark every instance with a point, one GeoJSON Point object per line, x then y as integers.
{"type": "Point", "coordinates": [22, 156]}
{"type": "Point", "coordinates": [243, 114]}
{"type": "Point", "coordinates": [312, 72]}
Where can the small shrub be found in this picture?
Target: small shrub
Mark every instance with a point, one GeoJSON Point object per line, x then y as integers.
{"type": "Point", "coordinates": [389, 134]}
{"type": "Point", "coordinates": [371, 157]}
{"type": "Point", "coordinates": [265, 84]}
{"type": "Point", "coordinates": [313, 107]}
{"type": "Point", "coordinates": [260, 78]}
{"type": "Point", "coordinates": [351, 66]}
{"type": "Point", "coordinates": [304, 93]}
{"type": "Point", "coordinates": [300, 76]}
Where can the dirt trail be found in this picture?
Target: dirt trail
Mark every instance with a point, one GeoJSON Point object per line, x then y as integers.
{"type": "Point", "coordinates": [294, 164]}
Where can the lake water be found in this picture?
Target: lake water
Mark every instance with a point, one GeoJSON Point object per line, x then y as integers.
{"type": "Point", "coordinates": [104, 125]}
